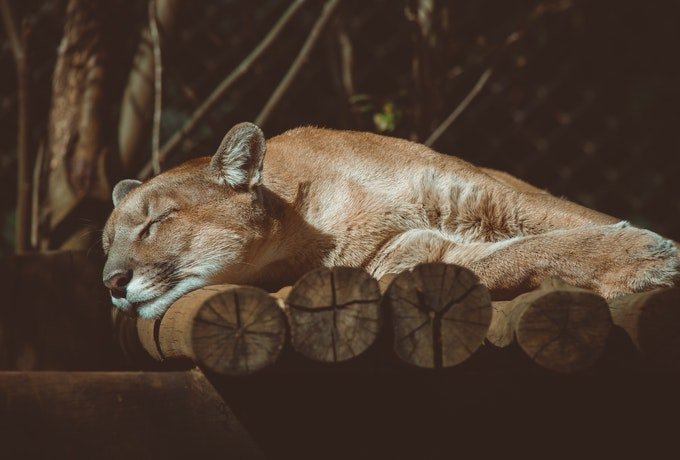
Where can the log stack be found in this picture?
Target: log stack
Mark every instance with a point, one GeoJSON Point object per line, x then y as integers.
{"type": "Point", "coordinates": [435, 316]}
{"type": "Point", "coordinates": [332, 314]}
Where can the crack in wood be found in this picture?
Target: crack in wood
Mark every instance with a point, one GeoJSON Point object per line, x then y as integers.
{"type": "Point", "coordinates": [157, 339]}
{"type": "Point", "coordinates": [239, 340]}
{"type": "Point", "coordinates": [202, 320]}
{"type": "Point", "coordinates": [332, 307]}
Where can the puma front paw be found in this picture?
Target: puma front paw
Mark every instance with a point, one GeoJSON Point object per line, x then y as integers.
{"type": "Point", "coordinates": [640, 260]}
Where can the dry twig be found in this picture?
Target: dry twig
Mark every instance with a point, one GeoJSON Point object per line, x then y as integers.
{"type": "Point", "coordinates": [453, 116]}
{"type": "Point", "coordinates": [23, 209]}
{"type": "Point", "coordinates": [135, 123]}
{"type": "Point", "coordinates": [223, 87]}
{"type": "Point", "coordinates": [537, 13]}
{"type": "Point", "coordinates": [158, 88]}
{"type": "Point", "coordinates": [346, 62]}
{"type": "Point", "coordinates": [300, 59]}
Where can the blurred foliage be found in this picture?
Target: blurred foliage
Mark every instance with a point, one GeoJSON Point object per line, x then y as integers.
{"type": "Point", "coordinates": [584, 103]}
{"type": "Point", "coordinates": [386, 120]}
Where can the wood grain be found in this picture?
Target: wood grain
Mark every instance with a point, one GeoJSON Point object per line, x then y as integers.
{"type": "Point", "coordinates": [227, 329]}
{"type": "Point", "coordinates": [560, 327]}
{"type": "Point", "coordinates": [440, 314]}
{"type": "Point", "coordinates": [334, 313]}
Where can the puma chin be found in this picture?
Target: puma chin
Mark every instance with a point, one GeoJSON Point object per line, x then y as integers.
{"type": "Point", "coordinates": [327, 198]}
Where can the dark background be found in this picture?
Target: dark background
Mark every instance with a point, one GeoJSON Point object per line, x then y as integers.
{"type": "Point", "coordinates": [583, 103]}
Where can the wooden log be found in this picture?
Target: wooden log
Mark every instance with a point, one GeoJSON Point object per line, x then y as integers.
{"type": "Point", "coordinates": [385, 281]}
{"type": "Point", "coordinates": [117, 415]}
{"type": "Point", "coordinates": [226, 329]}
{"type": "Point", "coordinates": [334, 313]}
{"type": "Point", "coordinates": [440, 314]}
{"type": "Point", "coordinates": [560, 327]}
{"type": "Point", "coordinates": [652, 321]}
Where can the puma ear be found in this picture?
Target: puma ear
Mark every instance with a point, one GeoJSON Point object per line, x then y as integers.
{"type": "Point", "coordinates": [238, 161]}
{"type": "Point", "coordinates": [122, 188]}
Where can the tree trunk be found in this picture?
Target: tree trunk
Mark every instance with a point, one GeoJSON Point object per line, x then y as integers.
{"type": "Point", "coordinates": [18, 41]}
{"type": "Point", "coordinates": [78, 116]}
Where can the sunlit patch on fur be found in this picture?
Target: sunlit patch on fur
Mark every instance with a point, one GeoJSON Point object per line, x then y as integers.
{"type": "Point", "coordinates": [485, 216]}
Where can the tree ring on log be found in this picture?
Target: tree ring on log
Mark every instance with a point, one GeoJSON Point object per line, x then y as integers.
{"type": "Point", "coordinates": [565, 331]}
{"type": "Point", "coordinates": [238, 331]}
{"type": "Point", "coordinates": [334, 313]}
{"type": "Point", "coordinates": [440, 314]}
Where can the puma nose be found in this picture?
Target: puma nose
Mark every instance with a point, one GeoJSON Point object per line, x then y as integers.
{"type": "Point", "coordinates": [117, 282]}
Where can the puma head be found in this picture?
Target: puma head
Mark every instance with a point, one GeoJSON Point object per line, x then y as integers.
{"type": "Point", "coordinates": [186, 227]}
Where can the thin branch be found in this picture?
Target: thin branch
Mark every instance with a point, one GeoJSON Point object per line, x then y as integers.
{"type": "Point", "coordinates": [453, 116]}
{"type": "Point", "coordinates": [11, 29]}
{"type": "Point", "coordinates": [135, 122]}
{"type": "Point", "coordinates": [23, 208]}
{"type": "Point", "coordinates": [346, 62]}
{"type": "Point", "coordinates": [36, 197]}
{"type": "Point", "coordinates": [421, 13]}
{"type": "Point", "coordinates": [223, 87]}
{"type": "Point", "coordinates": [537, 13]}
{"type": "Point", "coordinates": [341, 61]}
{"type": "Point", "coordinates": [300, 59]}
{"type": "Point", "coordinates": [158, 88]}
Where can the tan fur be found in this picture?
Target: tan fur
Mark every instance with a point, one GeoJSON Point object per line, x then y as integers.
{"type": "Point", "coordinates": [329, 198]}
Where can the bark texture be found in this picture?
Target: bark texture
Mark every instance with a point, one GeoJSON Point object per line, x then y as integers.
{"type": "Point", "coordinates": [78, 137]}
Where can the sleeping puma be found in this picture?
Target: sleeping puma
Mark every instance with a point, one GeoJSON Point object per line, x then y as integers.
{"type": "Point", "coordinates": [320, 197]}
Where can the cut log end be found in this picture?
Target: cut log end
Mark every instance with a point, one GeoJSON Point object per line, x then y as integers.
{"type": "Point", "coordinates": [565, 330]}
{"type": "Point", "coordinates": [334, 313]}
{"type": "Point", "coordinates": [238, 331]}
{"type": "Point", "coordinates": [652, 321]}
{"type": "Point", "coordinates": [440, 314]}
